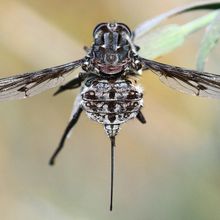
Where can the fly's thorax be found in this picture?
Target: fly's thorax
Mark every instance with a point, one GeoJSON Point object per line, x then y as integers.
{"type": "Point", "coordinates": [111, 102]}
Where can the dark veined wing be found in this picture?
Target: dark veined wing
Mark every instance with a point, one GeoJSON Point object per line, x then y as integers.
{"type": "Point", "coordinates": [188, 81]}
{"type": "Point", "coordinates": [29, 84]}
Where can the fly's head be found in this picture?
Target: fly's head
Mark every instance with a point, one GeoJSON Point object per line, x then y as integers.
{"type": "Point", "coordinates": [112, 48]}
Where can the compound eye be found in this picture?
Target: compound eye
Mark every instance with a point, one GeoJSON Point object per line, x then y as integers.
{"type": "Point", "coordinates": [126, 47]}
{"type": "Point", "coordinates": [98, 28]}
{"type": "Point", "coordinates": [96, 48]}
{"type": "Point", "coordinates": [99, 38]}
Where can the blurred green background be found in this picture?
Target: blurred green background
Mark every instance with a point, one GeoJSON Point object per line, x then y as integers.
{"type": "Point", "coordinates": [168, 169]}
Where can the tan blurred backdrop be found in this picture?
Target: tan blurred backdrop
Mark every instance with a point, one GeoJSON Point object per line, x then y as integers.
{"type": "Point", "coordinates": [167, 169]}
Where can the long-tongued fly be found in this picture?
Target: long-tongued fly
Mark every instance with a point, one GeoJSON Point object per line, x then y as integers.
{"type": "Point", "coordinates": [109, 93]}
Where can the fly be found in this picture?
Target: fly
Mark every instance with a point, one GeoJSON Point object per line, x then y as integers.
{"type": "Point", "coordinates": [109, 92]}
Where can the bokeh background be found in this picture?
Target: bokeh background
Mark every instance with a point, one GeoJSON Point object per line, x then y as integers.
{"type": "Point", "coordinates": [167, 169]}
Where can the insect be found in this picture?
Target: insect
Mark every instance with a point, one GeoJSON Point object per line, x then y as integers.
{"type": "Point", "coordinates": [109, 92]}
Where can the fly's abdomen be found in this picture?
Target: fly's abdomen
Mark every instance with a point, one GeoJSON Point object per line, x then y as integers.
{"type": "Point", "coordinates": [112, 102]}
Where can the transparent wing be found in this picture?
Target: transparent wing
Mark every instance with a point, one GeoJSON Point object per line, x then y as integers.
{"type": "Point", "coordinates": [188, 81]}
{"type": "Point", "coordinates": [29, 84]}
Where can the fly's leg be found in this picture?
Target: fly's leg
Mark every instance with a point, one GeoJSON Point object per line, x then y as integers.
{"type": "Point", "coordinates": [75, 116]}
{"type": "Point", "coordinates": [141, 118]}
{"type": "Point", "coordinates": [73, 84]}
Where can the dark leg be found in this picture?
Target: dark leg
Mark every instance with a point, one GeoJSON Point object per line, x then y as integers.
{"type": "Point", "coordinates": [112, 170]}
{"type": "Point", "coordinates": [72, 122]}
{"type": "Point", "coordinates": [141, 118]}
{"type": "Point", "coordinates": [73, 84]}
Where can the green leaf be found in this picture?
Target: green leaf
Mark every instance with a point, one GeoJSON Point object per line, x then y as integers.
{"type": "Point", "coordinates": [168, 38]}
{"type": "Point", "coordinates": [146, 26]}
{"type": "Point", "coordinates": [208, 42]}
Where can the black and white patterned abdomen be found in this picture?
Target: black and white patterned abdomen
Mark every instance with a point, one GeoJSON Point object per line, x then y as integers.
{"type": "Point", "coordinates": [111, 102]}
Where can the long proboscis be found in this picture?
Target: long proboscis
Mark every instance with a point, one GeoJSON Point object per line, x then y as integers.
{"type": "Point", "coordinates": [112, 170]}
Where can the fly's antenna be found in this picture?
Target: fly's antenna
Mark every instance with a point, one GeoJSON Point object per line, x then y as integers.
{"type": "Point", "coordinates": [112, 170]}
